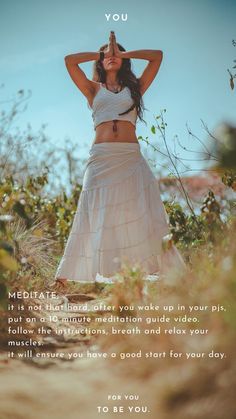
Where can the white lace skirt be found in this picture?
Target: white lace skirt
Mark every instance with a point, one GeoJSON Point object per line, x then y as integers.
{"type": "Point", "coordinates": [119, 218]}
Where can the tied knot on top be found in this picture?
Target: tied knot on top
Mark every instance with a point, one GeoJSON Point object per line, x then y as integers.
{"type": "Point", "coordinates": [123, 113]}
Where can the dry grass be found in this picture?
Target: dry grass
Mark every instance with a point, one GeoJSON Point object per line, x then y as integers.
{"type": "Point", "coordinates": [32, 246]}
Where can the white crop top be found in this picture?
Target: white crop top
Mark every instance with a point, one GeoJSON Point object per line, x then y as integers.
{"type": "Point", "coordinates": [108, 105]}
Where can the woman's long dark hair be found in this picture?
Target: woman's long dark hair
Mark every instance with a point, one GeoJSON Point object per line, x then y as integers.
{"type": "Point", "coordinates": [126, 77]}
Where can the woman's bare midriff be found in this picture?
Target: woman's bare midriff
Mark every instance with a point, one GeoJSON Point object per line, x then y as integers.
{"type": "Point", "coordinates": [125, 132]}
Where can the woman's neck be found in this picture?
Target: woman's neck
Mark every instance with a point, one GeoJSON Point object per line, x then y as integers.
{"type": "Point", "coordinates": [112, 79]}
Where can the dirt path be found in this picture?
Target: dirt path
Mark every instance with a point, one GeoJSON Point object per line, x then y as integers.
{"type": "Point", "coordinates": [62, 388]}
{"type": "Point", "coordinates": [54, 388]}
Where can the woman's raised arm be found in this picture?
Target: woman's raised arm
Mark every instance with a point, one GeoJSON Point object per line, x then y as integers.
{"type": "Point", "coordinates": [154, 57]}
{"type": "Point", "coordinates": [144, 54]}
{"type": "Point", "coordinates": [86, 86]}
{"type": "Point", "coordinates": [81, 57]}
{"type": "Point", "coordinates": [78, 76]}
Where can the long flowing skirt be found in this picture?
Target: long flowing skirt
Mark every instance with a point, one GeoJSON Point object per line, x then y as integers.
{"type": "Point", "coordinates": [119, 218]}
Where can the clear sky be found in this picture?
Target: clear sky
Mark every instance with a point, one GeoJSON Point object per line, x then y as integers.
{"type": "Point", "coordinates": [192, 84]}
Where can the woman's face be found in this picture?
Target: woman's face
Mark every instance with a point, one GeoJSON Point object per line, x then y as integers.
{"type": "Point", "coordinates": [112, 63]}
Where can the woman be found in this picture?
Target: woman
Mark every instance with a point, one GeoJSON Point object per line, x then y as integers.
{"type": "Point", "coordinates": [120, 216]}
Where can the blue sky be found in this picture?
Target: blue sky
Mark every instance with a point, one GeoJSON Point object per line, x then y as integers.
{"type": "Point", "coordinates": [192, 84]}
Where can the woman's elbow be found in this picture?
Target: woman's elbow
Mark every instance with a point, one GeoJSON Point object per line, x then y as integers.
{"type": "Point", "coordinates": [158, 56]}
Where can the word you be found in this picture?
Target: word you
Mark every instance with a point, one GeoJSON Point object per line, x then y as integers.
{"type": "Point", "coordinates": [122, 409]}
{"type": "Point", "coordinates": [116, 17]}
